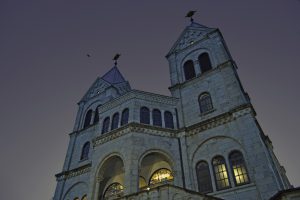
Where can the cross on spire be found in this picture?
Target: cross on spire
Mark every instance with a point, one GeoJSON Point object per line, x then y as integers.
{"type": "Point", "coordinates": [190, 14]}
{"type": "Point", "coordinates": [116, 57]}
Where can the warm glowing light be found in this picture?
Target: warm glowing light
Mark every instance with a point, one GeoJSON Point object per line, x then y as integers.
{"type": "Point", "coordinates": [161, 175]}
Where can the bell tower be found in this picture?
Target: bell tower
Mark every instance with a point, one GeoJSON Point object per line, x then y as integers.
{"type": "Point", "coordinates": [203, 74]}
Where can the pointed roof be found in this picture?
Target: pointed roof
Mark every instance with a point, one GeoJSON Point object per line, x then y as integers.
{"type": "Point", "coordinates": [113, 76]}
{"type": "Point", "coordinates": [192, 32]}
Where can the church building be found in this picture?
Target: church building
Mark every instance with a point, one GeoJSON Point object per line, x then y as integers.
{"type": "Point", "coordinates": [202, 142]}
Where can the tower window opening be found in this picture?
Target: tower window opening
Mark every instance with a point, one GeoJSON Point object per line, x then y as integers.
{"type": "Point", "coordinates": [125, 117]}
{"type": "Point", "coordinates": [204, 62]}
{"type": "Point", "coordinates": [85, 151]}
{"type": "Point", "coordinates": [205, 102]}
{"type": "Point", "coordinates": [145, 115]}
{"type": "Point", "coordinates": [105, 125]}
{"type": "Point", "coordinates": [238, 168]}
{"type": "Point", "coordinates": [169, 123]}
{"type": "Point", "coordinates": [221, 174]}
{"type": "Point", "coordinates": [156, 115]}
{"type": "Point", "coordinates": [88, 118]}
{"type": "Point", "coordinates": [96, 118]}
{"type": "Point", "coordinates": [160, 176]}
{"type": "Point", "coordinates": [189, 70]}
{"type": "Point", "coordinates": [203, 177]}
{"type": "Point", "coordinates": [115, 121]}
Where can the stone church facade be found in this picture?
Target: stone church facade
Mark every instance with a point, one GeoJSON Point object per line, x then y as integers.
{"type": "Point", "coordinates": [202, 142]}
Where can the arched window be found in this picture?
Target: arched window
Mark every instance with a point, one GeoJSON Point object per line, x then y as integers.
{"type": "Point", "coordinates": [96, 118]}
{"type": "Point", "coordinates": [115, 121]}
{"type": "Point", "coordinates": [161, 175]}
{"type": "Point", "coordinates": [105, 125]}
{"type": "Point", "coordinates": [203, 177]}
{"type": "Point", "coordinates": [125, 117]}
{"type": "Point", "coordinates": [88, 118]}
{"type": "Point", "coordinates": [189, 70]}
{"type": "Point", "coordinates": [145, 115]}
{"type": "Point", "coordinates": [221, 173]}
{"type": "Point", "coordinates": [204, 62]}
{"type": "Point", "coordinates": [84, 197]}
{"type": "Point", "coordinates": [113, 190]}
{"type": "Point", "coordinates": [169, 123]}
{"type": "Point", "coordinates": [85, 151]}
{"type": "Point", "coordinates": [238, 168]}
{"type": "Point", "coordinates": [156, 116]}
{"type": "Point", "coordinates": [205, 102]}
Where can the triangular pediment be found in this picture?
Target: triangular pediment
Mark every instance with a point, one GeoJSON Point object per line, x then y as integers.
{"type": "Point", "coordinates": [113, 78]}
{"type": "Point", "coordinates": [189, 36]}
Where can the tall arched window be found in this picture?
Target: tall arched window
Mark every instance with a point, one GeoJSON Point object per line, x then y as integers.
{"type": "Point", "coordinates": [205, 102]}
{"type": "Point", "coordinates": [113, 190]}
{"type": "Point", "coordinates": [145, 115]}
{"type": "Point", "coordinates": [156, 116]}
{"type": "Point", "coordinates": [115, 121]}
{"type": "Point", "coordinates": [169, 123]}
{"type": "Point", "coordinates": [161, 175]}
{"type": "Point", "coordinates": [96, 118]}
{"type": "Point", "coordinates": [238, 168]}
{"type": "Point", "coordinates": [88, 118]}
{"type": "Point", "coordinates": [85, 151]}
{"type": "Point", "coordinates": [189, 70]}
{"type": "Point", "coordinates": [105, 125]}
{"type": "Point", "coordinates": [203, 177]}
{"type": "Point", "coordinates": [221, 173]}
{"type": "Point", "coordinates": [204, 62]}
{"type": "Point", "coordinates": [125, 117]}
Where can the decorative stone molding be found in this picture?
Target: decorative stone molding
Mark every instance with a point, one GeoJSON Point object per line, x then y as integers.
{"type": "Point", "coordinates": [74, 172]}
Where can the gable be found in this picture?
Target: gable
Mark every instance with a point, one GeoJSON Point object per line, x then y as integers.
{"type": "Point", "coordinates": [189, 36]}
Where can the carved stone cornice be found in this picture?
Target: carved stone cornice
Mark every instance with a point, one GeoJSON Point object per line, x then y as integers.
{"type": "Point", "coordinates": [137, 128]}
{"type": "Point", "coordinates": [219, 120]}
{"type": "Point", "coordinates": [73, 172]}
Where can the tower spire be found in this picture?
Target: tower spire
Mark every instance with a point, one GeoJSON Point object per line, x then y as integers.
{"type": "Point", "coordinates": [190, 14]}
{"type": "Point", "coordinates": [115, 59]}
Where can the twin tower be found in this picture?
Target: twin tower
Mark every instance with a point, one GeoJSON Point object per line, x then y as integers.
{"type": "Point", "coordinates": [202, 142]}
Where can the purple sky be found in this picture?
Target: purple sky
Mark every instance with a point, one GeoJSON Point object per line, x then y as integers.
{"type": "Point", "coordinates": [44, 71]}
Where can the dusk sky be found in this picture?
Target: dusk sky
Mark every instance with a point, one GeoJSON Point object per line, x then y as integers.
{"type": "Point", "coordinates": [44, 71]}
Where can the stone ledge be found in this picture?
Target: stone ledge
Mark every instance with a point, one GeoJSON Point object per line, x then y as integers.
{"type": "Point", "coordinates": [73, 172]}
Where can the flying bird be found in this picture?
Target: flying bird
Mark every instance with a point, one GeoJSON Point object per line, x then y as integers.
{"type": "Point", "coordinates": [190, 13]}
{"type": "Point", "coordinates": [116, 56]}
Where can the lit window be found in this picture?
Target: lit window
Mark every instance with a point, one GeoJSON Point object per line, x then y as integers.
{"type": "Point", "coordinates": [115, 121]}
{"type": "Point", "coordinates": [161, 175]}
{"type": "Point", "coordinates": [203, 176]}
{"type": "Point", "coordinates": [239, 168]}
{"type": "Point", "coordinates": [205, 102]}
{"type": "Point", "coordinates": [145, 115]}
{"type": "Point", "coordinates": [85, 151]}
{"type": "Point", "coordinates": [113, 190]}
{"type": "Point", "coordinates": [84, 197]}
{"type": "Point", "coordinates": [105, 126]}
{"type": "Point", "coordinates": [125, 117]}
{"type": "Point", "coordinates": [221, 174]}
{"type": "Point", "coordinates": [156, 116]}
{"type": "Point", "coordinates": [204, 62]}
{"type": "Point", "coordinates": [189, 70]}
{"type": "Point", "coordinates": [169, 120]}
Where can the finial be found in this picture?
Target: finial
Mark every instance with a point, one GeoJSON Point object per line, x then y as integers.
{"type": "Point", "coordinates": [116, 57]}
{"type": "Point", "coordinates": [190, 15]}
